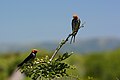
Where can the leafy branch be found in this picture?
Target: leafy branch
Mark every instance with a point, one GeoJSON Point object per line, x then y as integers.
{"type": "Point", "coordinates": [43, 68]}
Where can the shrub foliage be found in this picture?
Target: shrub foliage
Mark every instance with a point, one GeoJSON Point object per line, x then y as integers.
{"type": "Point", "coordinates": [44, 68]}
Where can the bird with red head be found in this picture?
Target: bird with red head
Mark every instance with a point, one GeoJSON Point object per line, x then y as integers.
{"type": "Point", "coordinates": [75, 27]}
{"type": "Point", "coordinates": [31, 56]}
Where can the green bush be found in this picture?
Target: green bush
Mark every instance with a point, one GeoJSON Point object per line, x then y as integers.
{"type": "Point", "coordinates": [43, 68]}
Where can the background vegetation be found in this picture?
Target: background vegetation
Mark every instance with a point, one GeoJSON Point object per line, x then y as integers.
{"type": "Point", "coordinates": [94, 66]}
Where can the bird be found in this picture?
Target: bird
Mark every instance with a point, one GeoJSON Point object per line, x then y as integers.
{"type": "Point", "coordinates": [75, 27]}
{"type": "Point", "coordinates": [31, 56]}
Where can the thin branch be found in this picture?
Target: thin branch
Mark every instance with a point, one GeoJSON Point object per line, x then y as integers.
{"type": "Point", "coordinates": [59, 46]}
{"type": "Point", "coordinates": [62, 43]}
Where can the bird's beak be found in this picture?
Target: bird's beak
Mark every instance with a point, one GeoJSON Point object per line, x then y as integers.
{"type": "Point", "coordinates": [38, 50]}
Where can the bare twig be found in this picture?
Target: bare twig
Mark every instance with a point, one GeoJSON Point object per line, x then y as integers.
{"type": "Point", "coordinates": [62, 43]}
{"type": "Point", "coordinates": [59, 46]}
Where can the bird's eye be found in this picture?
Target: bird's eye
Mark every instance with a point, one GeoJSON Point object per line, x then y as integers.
{"type": "Point", "coordinates": [33, 51]}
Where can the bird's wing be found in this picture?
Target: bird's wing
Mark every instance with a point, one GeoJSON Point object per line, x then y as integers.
{"type": "Point", "coordinates": [27, 59]}
{"type": "Point", "coordinates": [73, 25]}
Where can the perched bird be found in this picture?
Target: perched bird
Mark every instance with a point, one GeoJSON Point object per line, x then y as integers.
{"type": "Point", "coordinates": [31, 56]}
{"type": "Point", "coordinates": [75, 27]}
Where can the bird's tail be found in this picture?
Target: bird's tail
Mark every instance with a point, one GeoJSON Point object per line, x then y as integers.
{"type": "Point", "coordinates": [71, 39]}
{"type": "Point", "coordinates": [20, 64]}
{"type": "Point", "coordinates": [73, 36]}
{"type": "Point", "coordinates": [17, 69]}
{"type": "Point", "coordinates": [74, 39]}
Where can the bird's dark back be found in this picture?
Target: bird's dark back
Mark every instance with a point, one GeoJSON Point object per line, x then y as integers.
{"type": "Point", "coordinates": [75, 25]}
{"type": "Point", "coordinates": [31, 56]}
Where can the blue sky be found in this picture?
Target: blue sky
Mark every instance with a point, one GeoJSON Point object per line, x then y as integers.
{"type": "Point", "coordinates": [50, 20]}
